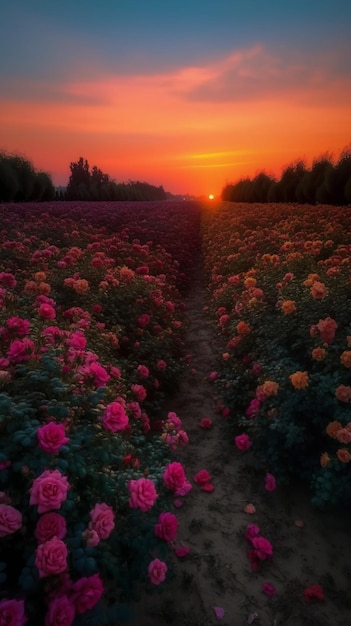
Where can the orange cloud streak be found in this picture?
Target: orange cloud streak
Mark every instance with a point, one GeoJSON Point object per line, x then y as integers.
{"type": "Point", "coordinates": [192, 130]}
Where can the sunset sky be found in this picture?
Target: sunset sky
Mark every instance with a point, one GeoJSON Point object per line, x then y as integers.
{"type": "Point", "coordinates": [189, 94]}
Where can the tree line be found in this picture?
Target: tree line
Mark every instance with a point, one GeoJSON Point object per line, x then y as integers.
{"type": "Point", "coordinates": [326, 182]}
{"type": "Point", "coordinates": [21, 182]}
{"type": "Point", "coordinates": [93, 184]}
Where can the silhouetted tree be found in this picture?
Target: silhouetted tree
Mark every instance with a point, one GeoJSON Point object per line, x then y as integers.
{"type": "Point", "coordinates": [78, 187]}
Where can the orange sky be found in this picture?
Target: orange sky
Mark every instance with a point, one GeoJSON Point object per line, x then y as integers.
{"type": "Point", "coordinates": [191, 129]}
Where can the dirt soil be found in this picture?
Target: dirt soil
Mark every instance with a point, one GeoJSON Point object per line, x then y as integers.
{"type": "Point", "coordinates": [309, 547]}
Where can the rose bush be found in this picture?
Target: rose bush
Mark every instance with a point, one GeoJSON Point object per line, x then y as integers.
{"type": "Point", "coordinates": [91, 344]}
{"type": "Point", "coordinates": [280, 289]}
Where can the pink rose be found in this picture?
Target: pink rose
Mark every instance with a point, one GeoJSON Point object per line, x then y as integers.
{"type": "Point", "coordinates": [252, 531]}
{"type": "Point", "coordinates": [202, 477]}
{"type": "Point", "coordinates": [115, 418]}
{"type": "Point", "coordinates": [18, 326]}
{"type": "Point", "coordinates": [102, 520]}
{"type": "Point", "coordinates": [91, 537]}
{"type": "Point", "coordinates": [10, 520]}
{"type": "Point", "coordinates": [243, 442]}
{"type": "Point", "coordinates": [166, 527]}
{"type": "Point", "coordinates": [20, 351]}
{"type": "Point", "coordinates": [51, 557]}
{"type": "Point", "coordinates": [139, 392]}
{"type": "Point", "coordinates": [87, 592]}
{"type": "Point", "coordinates": [12, 613]}
{"type": "Point", "coordinates": [49, 490]}
{"type": "Point", "coordinates": [47, 312]}
{"type": "Point", "coordinates": [157, 571]}
{"type": "Point", "coordinates": [51, 437]}
{"type": "Point", "coordinates": [270, 482]}
{"type": "Point", "coordinates": [142, 494]}
{"type": "Point", "coordinates": [100, 375]}
{"type": "Point", "coordinates": [144, 320]}
{"type": "Point", "coordinates": [50, 525]}
{"type": "Point", "coordinates": [143, 371]}
{"type": "Point", "coordinates": [61, 612]}
{"type": "Point", "coordinates": [174, 476]}
{"type": "Point", "coordinates": [263, 547]}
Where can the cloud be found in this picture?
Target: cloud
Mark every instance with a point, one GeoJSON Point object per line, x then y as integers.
{"type": "Point", "coordinates": [256, 72]}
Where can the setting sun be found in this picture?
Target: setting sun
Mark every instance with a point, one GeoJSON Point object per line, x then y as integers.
{"type": "Point", "coordinates": [211, 196]}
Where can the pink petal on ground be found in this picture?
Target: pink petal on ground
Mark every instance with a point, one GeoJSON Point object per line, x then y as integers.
{"type": "Point", "coordinates": [219, 612]}
{"type": "Point", "coordinates": [252, 618]}
{"type": "Point", "coordinates": [207, 487]}
{"type": "Point", "coordinates": [250, 509]}
{"type": "Point", "coordinates": [181, 551]}
{"type": "Point", "coordinates": [178, 503]}
{"type": "Point", "coordinates": [299, 523]}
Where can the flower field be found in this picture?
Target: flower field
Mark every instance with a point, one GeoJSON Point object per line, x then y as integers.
{"type": "Point", "coordinates": [92, 345]}
{"type": "Point", "coordinates": [281, 289]}
{"type": "Point", "coordinates": [91, 335]}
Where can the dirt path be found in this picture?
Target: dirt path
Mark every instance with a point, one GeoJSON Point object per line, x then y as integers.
{"type": "Point", "coordinates": [217, 572]}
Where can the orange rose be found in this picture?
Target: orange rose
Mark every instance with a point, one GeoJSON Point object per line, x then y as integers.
{"type": "Point", "coordinates": [319, 290]}
{"type": "Point", "coordinates": [333, 428]}
{"type": "Point", "coordinates": [299, 380]}
{"type": "Point", "coordinates": [243, 328]}
{"type": "Point", "coordinates": [343, 393]}
{"type": "Point", "coordinates": [345, 358]}
{"type": "Point", "coordinates": [44, 288]}
{"type": "Point", "coordinates": [39, 276]}
{"type": "Point", "coordinates": [343, 455]}
{"type": "Point", "coordinates": [270, 388]}
{"type": "Point", "coordinates": [318, 354]}
{"type": "Point", "coordinates": [126, 273]}
{"type": "Point", "coordinates": [310, 280]}
{"type": "Point", "coordinates": [81, 286]}
{"type": "Point", "coordinates": [288, 306]}
{"type": "Point", "coordinates": [250, 282]}
{"type": "Point", "coordinates": [30, 288]}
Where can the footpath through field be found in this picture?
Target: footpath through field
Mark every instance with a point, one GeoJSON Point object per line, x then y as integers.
{"type": "Point", "coordinates": [215, 583]}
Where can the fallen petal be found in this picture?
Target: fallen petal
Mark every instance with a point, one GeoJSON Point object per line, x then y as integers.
{"type": "Point", "coordinates": [219, 612]}
{"type": "Point", "coordinates": [207, 487]}
{"type": "Point", "coordinates": [299, 523]}
{"type": "Point", "coordinates": [250, 509]}
{"type": "Point", "coordinates": [181, 551]}
{"type": "Point", "coordinates": [178, 503]}
{"type": "Point", "coordinates": [252, 618]}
